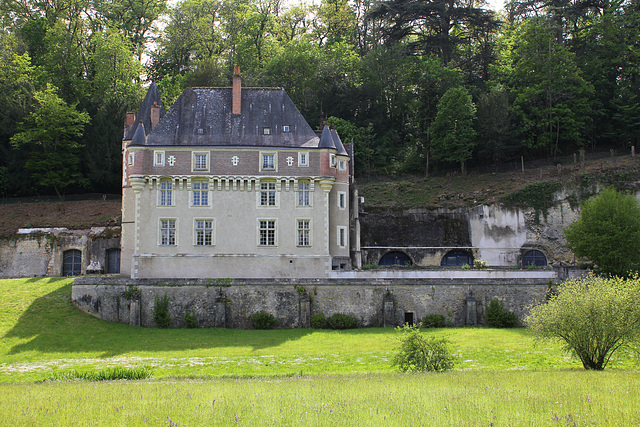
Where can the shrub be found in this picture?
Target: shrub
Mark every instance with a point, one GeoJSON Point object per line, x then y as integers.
{"type": "Point", "coordinates": [369, 266]}
{"type": "Point", "coordinates": [466, 267]}
{"type": "Point", "coordinates": [479, 263]}
{"type": "Point", "coordinates": [593, 316]}
{"type": "Point", "coordinates": [342, 321]}
{"type": "Point", "coordinates": [498, 317]}
{"type": "Point", "coordinates": [420, 352]}
{"type": "Point", "coordinates": [190, 320]}
{"type": "Point", "coordinates": [318, 321]}
{"type": "Point", "coordinates": [263, 320]}
{"type": "Point", "coordinates": [433, 321]}
{"type": "Point", "coordinates": [608, 232]}
{"type": "Point", "coordinates": [161, 313]}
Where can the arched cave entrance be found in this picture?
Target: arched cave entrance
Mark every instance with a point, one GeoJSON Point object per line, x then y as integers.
{"type": "Point", "coordinates": [456, 258]}
{"type": "Point", "coordinates": [72, 263]}
{"type": "Point", "coordinates": [395, 258]}
{"type": "Point", "coordinates": [534, 257]}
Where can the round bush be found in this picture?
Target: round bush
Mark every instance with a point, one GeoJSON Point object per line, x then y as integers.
{"type": "Point", "coordinates": [419, 352]}
{"type": "Point", "coordinates": [318, 321]}
{"type": "Point", "coordinates": [498, 317]}
{"type": "Point", "coordinates": [342, 321]}
{"type": "Point", "coordinates": [433, 321]}
{"type": "Point", "coordinates": [263, 320]}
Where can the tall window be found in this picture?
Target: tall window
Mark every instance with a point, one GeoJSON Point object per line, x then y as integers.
{"type": "Point", "coordinates": [158, 159]}
{"type": "Point", "coordinates": [200, 193]}
{"type": "Point", "coordinates": [166, 193]}
{"type": "Point", "coordinates": [304, 228]}
{"type": "Point", "coordinates": [268, 162]}
{"type": "Point", "coordinates": [304, 194]}
{"type": "Point", "coordinates": [167, 232]}
{"type": "Point", "coordinates": [342, 236]}
{"type": "Point", "coordinates": [303, 159]}
{"type": "Point", "coordinates": [267, 232]}
{"type": "Point", "coordinates": [267, 194]}
{"type": "Point", "coordinates": [342, 199]}
{"type": "Point", "coordinates": [204, 232]}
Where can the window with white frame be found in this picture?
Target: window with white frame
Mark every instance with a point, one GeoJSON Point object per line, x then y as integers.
{"type": "Point", "coordinates": [203, 232]}
{"type": "Point", "coordinates": [285, 128]}
{"type": "Point", "coordinates": [158, 158]}
{"type": "Point", "coordinates": [165, 198]}
{"type": "Point", "coordinates": [199, 193]}
{"type": "Point", "coordinates": [268, 162]}
{"type": "Point", "coordinates": [342, 237]}
{"type": "Point", "coordinates": [304, 232]}
{"type": "Point", "coordinates": [130, 159]}
{"type": "Point", "coordinates": [200, 161]}
{"type": "Point", "coordinates": [167, 232]}
{"type": "Point", "coordinates": [304, 193]}
{"type": "Point", "coordinates": [342, 165]}
{"type": "Point", "coordinates": [266, 131]}
{"type": "Point", "coordinates": [332, 160]}
{"type": "Point", "coordinates": [268, 193]}
{"type": "Point", "coordinates": [267, 232]}
{"type": "Point", "coordinates": [342, 199]}
{"type": "Point", "coordinates": [303, 159]}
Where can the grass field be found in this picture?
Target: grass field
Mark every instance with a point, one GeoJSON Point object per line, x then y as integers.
{"type": "Point", "coordinates": [287, 377]}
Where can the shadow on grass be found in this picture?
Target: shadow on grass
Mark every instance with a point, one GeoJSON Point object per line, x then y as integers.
{"type": "Point", "coordinates": [51, 324]}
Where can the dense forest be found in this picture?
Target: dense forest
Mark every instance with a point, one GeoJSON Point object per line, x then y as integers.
{"type": "Point", "coordinates": [418, 86]}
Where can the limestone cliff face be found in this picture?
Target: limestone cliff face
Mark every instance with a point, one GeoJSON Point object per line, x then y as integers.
{"type": "Point", "coordinates": [498, 235]}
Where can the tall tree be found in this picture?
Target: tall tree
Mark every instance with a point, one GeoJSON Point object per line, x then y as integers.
{"type": "Point", "coordinates": [452, 131]}
{"type": "Point", "coordinates": [51, 132]}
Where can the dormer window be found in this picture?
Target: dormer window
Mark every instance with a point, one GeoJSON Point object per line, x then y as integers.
{"type": "Point", "coordinates": [266, 131]}
{"type": "Point", "coordinates": [285, 128]}
{"type": "Point", "coordinates": [200, 131]}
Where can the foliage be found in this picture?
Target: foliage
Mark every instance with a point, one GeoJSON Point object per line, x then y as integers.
{"type": "Point", "coordinates": [433, 320]}
{"type": "Point", "coordinates": [51, 133]}
{"type": "Point", "coordinates": [369, 266]}
{"type": "Point", "coordinates": [479, 263]}
{"type": "Point", "coordinates": [541, 196]}
{"type": "Point", "coordinates": [466, 267]}
{"type": "Point", "coordinates": [107, 374]}
{"type": "Point", "coordinates": [608, 232]}
{"type": "Point", "coordinates": [190, 320]}
{"type": "Point", "coordinates": [593, 317]}
{"type": "Point", "coordinates": [498, 317]}
{"type": "Point", "coordinates": [160, 311]}
{"type": "Point", "coordinates": [452, 130]}
{"type": "Point", "coordinates": [318, 321]}
{"type": "Point", "coordinates": [263, 320]}
{"type": "Point", "coordinates": [342, 321]}
{"type": "Point", "coordinates": [420, 352]}
{"type": "Point", "coordinates": [132, 292]}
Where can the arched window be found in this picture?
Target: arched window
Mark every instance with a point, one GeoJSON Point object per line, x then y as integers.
{"type": "Point", "coordinates": [395, 258]}
{"type": "Point", "coordinates": [72, 263]}
{"type": "Point", "coordinates": [113, 261]}
{"type": "Point", "coordinates": [534, 257]}
{"type": "Point", "coordinates": [456, 259]}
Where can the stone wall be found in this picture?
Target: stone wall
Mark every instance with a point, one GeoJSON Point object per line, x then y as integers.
{"type": "Point", "coordinates": [373, 302]}
{"type": "Point", "coordinates": [39, 252]}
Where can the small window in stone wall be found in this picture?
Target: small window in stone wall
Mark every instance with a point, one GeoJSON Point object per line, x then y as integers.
{"type": "Point", "coordinates": [534, 257]}
{"type": "Point", "coordinates": [395, 258]}
{"type": "Point", "coordinates": [456, 259]}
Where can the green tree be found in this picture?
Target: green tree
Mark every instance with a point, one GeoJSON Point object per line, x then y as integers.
{"type": "Point", "coordinates": [452, 134]}
{"type": "Point", "coordinates": [608, 232]}
{"type": "Point", "coordinates": [420, 352]}
{"type": "Point", "coordinates": [593, 317]}
{"type": "Point", "coordinates": [51, 132]}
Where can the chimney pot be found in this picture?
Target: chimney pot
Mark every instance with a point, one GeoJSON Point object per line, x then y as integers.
{"type": "Point", "coordinates": [155, 114]}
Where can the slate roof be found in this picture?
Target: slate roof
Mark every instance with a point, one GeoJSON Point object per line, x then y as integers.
{"type": "Point", "coordinates": [203, 117]}
{"type": "Point", "coordinates": [144, 115]}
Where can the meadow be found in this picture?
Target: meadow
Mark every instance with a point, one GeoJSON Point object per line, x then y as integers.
{"type": "Point", "coordinates": [287, 377]}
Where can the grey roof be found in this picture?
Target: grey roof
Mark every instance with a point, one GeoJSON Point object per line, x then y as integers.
{"type": "Point", "coordinates": [144, 115]}
{"type": "Point", "coordinates": [139, 138]}
{"type": "Point", "coordinates": [326, 140]}
{"type": "Point", "coordinates": [338, 143]}
{"type": "Point", "coordinates": [203, 116]}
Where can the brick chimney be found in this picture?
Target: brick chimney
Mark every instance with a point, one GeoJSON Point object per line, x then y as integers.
{"type": "Point", "coordinates": [129, 121]}
{"type": "Point", "coordinates": [237, 91]}
{"type": "Point", "coordinates": [155, 114]}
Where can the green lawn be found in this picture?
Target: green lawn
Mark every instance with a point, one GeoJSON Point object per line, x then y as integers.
{"type": "Point", "coordinates": [294, 377]}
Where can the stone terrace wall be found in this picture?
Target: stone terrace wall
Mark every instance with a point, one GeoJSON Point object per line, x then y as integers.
{"type": "Point", "coordinates": [292, 302]}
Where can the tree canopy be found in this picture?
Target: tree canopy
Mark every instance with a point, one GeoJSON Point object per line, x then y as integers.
{"type": "Point", "coordinates": [546, 78]}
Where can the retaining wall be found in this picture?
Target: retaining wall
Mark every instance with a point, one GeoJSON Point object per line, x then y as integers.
{"type": "Point", "coordinates": [381, 302]}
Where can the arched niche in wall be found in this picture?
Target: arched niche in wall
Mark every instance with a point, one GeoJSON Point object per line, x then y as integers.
{"type": "Point", "coordinates": [395, 258]}
{"type": "Point", "coordinates": [456, 258]}
{"type": "Point", "coordinates": [72, 262]}
{"type": "Point", "coordinates": [534, 257]}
